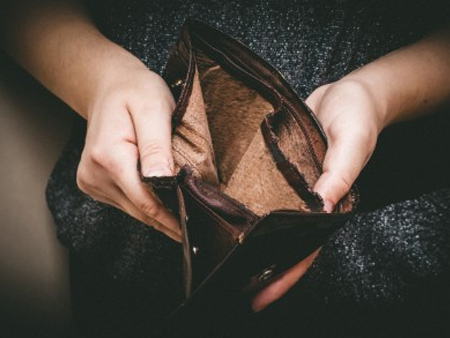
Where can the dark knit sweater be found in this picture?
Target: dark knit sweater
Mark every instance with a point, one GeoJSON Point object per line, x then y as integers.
{"type": "Point", "coordinates": [382, 275]}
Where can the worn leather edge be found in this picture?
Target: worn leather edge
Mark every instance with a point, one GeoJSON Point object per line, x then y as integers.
{"type": "Point", "coordinates": [295, 179]}
{"type": "Point", "coordinates": [254, 64]}
{"type": "Point", "coordinates": [179, 73]}
{"type": "Point", "coordinates": [268, 78]}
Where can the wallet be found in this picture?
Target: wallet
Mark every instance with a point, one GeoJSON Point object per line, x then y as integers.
{"type": "Point", "coordinates": [247, 152]}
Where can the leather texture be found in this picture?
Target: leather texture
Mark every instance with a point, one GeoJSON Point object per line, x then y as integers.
{"type": "Point", "coordinates": [247, 152]}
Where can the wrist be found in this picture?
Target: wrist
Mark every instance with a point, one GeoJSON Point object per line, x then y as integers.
{"type": "Point", "coordinates": [370, 97]}
{"type": "Point", "coordinates": [410, 81]}
{"type": "Point", "coordinates": [95, 71]}
{"type": "Point", "coordinates": [384, 100]}
{"type": "Point", "coordinates": [112, 69]}
{"type": "Point", "coordinates": [126, 83]}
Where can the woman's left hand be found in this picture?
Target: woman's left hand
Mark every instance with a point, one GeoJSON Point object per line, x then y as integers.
{"type": "Point", "coordinates": [409, 82]}
{"type": "Point", "coordinates": [351, 119]}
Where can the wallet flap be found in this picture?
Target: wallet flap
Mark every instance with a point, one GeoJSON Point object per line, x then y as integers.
{"type": "Point", "coordinates": [213, 225]}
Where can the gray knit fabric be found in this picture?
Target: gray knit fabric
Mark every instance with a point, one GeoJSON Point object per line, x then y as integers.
{"type": "Point", "coordinates": [378, 270]}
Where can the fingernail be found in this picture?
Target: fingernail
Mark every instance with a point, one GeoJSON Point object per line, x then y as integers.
{"type": "Point", "coordinates": [158, 171]}
{"type": "Point", "coordinates": [328, 206]}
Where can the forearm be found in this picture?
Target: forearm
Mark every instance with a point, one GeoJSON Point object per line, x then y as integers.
{"type": "Point", "coordinates": [411, 81]}
{"type": "Point", "coordinates": [59, 45]}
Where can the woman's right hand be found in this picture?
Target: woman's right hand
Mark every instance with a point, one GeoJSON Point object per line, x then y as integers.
{"type": "Point", "coordinates": [129, 120]}
{"type": "Point", "coordinates": [127, 107]}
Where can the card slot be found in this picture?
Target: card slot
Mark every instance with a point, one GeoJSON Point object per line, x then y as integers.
{"type": "Point", "coordinates": [220, 137]}
{"type": "Point", "coordinates": [234, 113]}
{"type": "Point", "coordinates": [191, 140]}
{"type": "Point", "coordinates": [267, 189]}
{"type": "Point", "coordinates": [302, 118]}
{"type": "Point", "coordinates": [258, 183]}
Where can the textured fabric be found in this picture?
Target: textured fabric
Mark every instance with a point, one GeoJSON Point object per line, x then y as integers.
{"type": "Point", "coordinates": [381, 275]}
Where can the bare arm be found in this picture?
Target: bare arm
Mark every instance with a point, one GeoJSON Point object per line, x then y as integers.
{"type": "Point", "coordinates": [409, 82]}
{"type": "Point", "coordinates": [127, 106]}
{"type": "Point", "coordinates": [58, 44]}
{"type": "Point", "coordinates": [412, 81]}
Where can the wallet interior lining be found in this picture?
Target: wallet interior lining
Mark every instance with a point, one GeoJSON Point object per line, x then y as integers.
{"type": "Point", "coordinates": [220, 138]}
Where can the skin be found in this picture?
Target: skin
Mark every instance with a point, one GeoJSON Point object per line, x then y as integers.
{"type": "Point", "coordinates": [128, 107]}
{"type": "Point", "coordinates": [409, 82]}
{"type": "Point", "coordinates": [128, 110]}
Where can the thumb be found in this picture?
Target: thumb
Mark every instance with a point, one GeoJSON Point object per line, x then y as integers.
{"type": "Point", "coordinates": [153, 133]}
{"type": "Point", "coordinates": [342, 165]}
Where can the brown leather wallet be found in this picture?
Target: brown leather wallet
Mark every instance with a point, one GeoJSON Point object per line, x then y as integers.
{"type": "Point", "coordinates": [247, 152]}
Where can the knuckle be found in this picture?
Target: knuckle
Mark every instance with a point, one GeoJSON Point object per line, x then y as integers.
{"type": "Point", "coordinates": [336, 186]}
{"type": "Point", "coordinates": [343, 185]}
{"type": "Point", "coordinates": [158, 109]}
{"type": "Point", "coordinates": [314, 99]}
{"type": "Point", "coordinates": [152, 151]}
{"type": "Point", "coordinates": [146, 107]}
{"type": "Point", "coordinates": [99, 155]}
{"type": "Point", "coordinates": [83, 179]}
{"type": "Point", "coordinates": [346, 183]}
{"type": "Point", "coordinates": [106, 160]}
{"type": "Point", "coordinates": [151, 209]}
{"type": "Point", "coordinates": [157, 106]}
{"type": "Point", "coordinates": [155, 225]}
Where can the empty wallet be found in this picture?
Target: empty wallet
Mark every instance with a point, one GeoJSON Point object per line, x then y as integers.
{"type": "Point", "coordinates": [247, 153]}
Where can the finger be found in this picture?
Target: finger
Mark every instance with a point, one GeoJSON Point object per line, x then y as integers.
{"type": "Point", "coordinates": [132, 187]}
{"type": "Point", "coordinates": [152, 123]}
{"type": "Point", "coordinates": [115, 197]}
{"type": "Point", "coordinates": [278, 288]}
{"type": "Point", "coordinates": [115, 180]}
{"type": "Point", "coordinates": [149, 209]}
{"type": "Point", "coordinates": [342, 164]}
{"type": "Point", "coordinates": [313, 100]}
{"type": "Point", "coordinates": [127, 206]}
